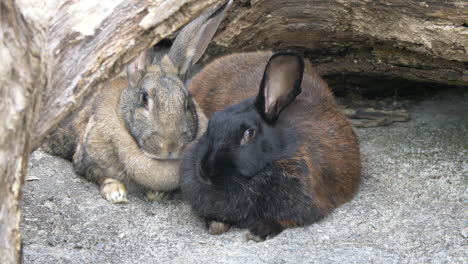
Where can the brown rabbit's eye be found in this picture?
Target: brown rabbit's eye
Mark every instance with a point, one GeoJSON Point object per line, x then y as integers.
{"type": "Point", "coordinates": [248, 135]}
{"type": "Point", "coordinates": [144, 99]}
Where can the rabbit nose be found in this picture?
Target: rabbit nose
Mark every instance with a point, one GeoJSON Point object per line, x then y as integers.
{"type": "Point", "coordinates": [204, 178]}
{"type": "Point", "coordinates": [209, 171]}
{"type": "Point", "coordinates": [206, 175]}
{"type": "Point", "coordinates": [169, 149]}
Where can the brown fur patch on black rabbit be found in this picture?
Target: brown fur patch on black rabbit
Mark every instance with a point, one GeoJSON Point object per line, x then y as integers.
{"type": "Point", "coordinates": [269, 160]}
{"type": "Point", "coordinates": [138, 126]}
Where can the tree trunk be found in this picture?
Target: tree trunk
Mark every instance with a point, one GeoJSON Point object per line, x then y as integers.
{"type": "Point", "coordinates": [53, 53]}
{"type": "Point", "coordinates": [424, 41]}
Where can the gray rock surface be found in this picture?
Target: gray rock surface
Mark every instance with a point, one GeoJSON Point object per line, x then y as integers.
{"type": "Point", "coordinates": [411, 208]}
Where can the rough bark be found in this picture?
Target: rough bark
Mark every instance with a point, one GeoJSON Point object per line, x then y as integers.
{"type": "Point", "coordinates": [53, 53]}
{"type": "Point", "coordinates": [408, 39]}
{"type": "Point", "coordinates": [17, 92]}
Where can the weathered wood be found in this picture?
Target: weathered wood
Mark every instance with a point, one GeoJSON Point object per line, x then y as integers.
{"type": "Point", "coordinates": [17, 90]}
{"type": "Point", "coordinates": [52, 54]}
{"type": "Point", "coordinates": [415, 40]}
{"type": "Point", "coordinates": [371, 117]}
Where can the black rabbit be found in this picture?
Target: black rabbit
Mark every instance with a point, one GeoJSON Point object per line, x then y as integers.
{"type": "Point", "coordinates": [282, 158]}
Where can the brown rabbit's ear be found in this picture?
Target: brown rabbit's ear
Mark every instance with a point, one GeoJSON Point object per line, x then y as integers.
{"type": "Point", "coordinates": [192, 41]}
{"type": "Point", "coordinates": [280, 85]}
{"type": "Point", "coordinates": [137, 68]}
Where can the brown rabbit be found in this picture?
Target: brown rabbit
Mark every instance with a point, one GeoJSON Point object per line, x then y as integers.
{"type": "Point", "coordinates": [137, 127]}
{"type": "Point", "coordinates": [277, 152]}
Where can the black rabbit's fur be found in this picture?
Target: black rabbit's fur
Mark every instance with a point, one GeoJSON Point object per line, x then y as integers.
{"type": "Point", "coordinates": [292, 172]}
{"type": "Point", "coordinates": [250, 189]}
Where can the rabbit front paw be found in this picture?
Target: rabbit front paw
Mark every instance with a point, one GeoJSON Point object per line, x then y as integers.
{"type": "Point", "coordinates": [217, 228]}
{"type": "Point", "coordinates": [114, 191]}
{"type": "Point", "coordinates": [264, 229]}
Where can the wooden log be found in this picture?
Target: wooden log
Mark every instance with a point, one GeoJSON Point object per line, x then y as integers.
{"type": "Point", "coordinates": [423, 41]}
{"type": "Point", "coordinates": [53, 53]}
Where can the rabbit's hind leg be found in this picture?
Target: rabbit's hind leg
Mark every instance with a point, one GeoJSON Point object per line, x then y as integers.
{"type": "Point", "coordinates": [111, 189]}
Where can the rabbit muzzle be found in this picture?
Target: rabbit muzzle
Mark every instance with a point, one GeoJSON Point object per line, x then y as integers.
{"type": "Point", "coordinates": [217, 167]}
{"type": "Point", "coordinates": [162, 150]}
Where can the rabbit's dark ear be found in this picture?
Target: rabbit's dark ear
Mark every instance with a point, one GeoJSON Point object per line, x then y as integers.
{"type": "Point", "coordinates": [192, 41]}
{"type": "Point", "coordinates": [280, 85]}
{"type": "Point", "coordinates": [137, 68]}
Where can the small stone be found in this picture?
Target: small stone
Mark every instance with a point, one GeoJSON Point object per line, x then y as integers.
{"type": "Point", "coordinates": [464, 232]}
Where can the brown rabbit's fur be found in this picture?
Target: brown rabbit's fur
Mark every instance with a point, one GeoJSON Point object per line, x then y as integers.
{"type": "Point", "coordinates": [96, 140]}
{"type": "Point", "coordinates": [329, 145]}
{"type": "Point", "coordinates": [115, 150]}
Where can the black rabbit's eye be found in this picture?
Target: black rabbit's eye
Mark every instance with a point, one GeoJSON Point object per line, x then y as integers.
{"type": "Point", "coordinates": [248, 135]}
{"type": "Point", "coordinates": [144, 100]}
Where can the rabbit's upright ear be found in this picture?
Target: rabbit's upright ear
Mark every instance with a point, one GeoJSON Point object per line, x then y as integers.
{"type": "Point", "coordinates": [137, 68]}
{"type": "Point", "coordinates": [193, 39]}
{"type": "Point", "coordinates": [280, 85]}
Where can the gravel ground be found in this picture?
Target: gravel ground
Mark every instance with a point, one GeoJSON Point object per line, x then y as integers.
{"type": "Point", "coordinates": [411, 208]}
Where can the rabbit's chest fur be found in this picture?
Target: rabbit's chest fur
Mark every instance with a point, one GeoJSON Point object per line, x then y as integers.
{"type": "Point", "coordinates": [272, 194]}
